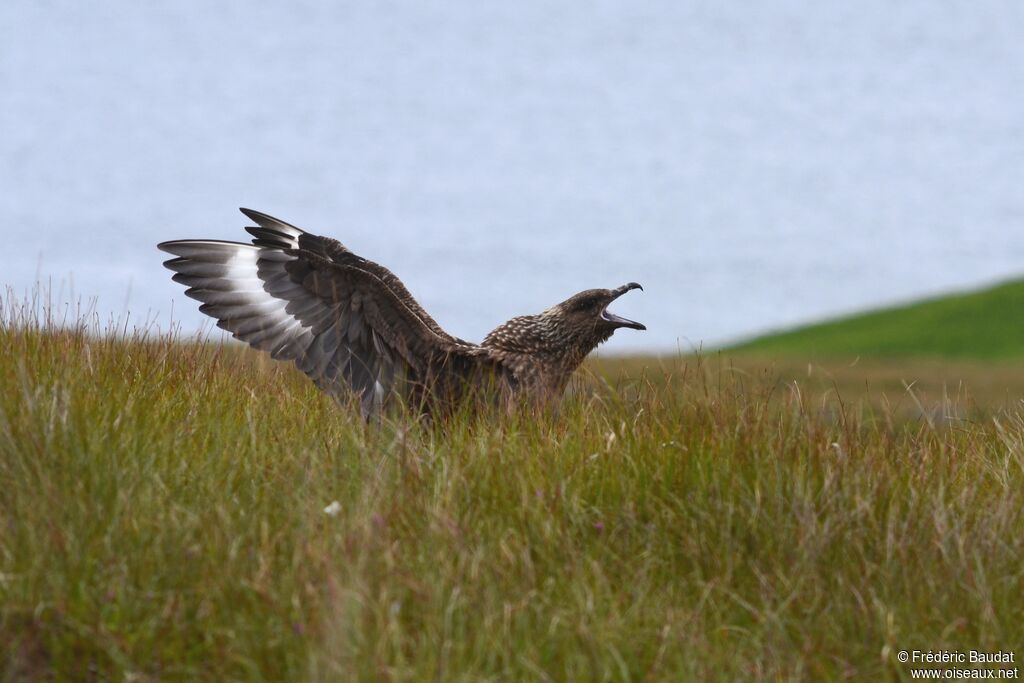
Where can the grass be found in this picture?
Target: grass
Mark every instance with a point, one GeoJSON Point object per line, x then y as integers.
{"type": "Point", "coordinates": [162, 518]}
{"type": "Point", "coordinates": [984, 325]}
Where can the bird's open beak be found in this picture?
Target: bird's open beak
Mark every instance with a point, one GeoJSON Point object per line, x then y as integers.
{"type": "Point", "coordinates": [618, 320]}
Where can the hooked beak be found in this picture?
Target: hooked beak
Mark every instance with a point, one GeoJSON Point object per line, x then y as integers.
{"type": "Point", "coordinates": [617, 320]}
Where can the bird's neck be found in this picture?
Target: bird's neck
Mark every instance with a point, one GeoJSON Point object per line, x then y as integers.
{"type": "Point", "coordinates": [568, 347]}
{"type": "Point", "coordinates": [544, 349]}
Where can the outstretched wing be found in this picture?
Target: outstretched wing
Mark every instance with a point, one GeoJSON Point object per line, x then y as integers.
{"type": "Point", "coordinates": [346, 322]}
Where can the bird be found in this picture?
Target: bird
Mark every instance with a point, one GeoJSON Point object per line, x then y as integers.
{"type": "Point", "coordinates": [354, 329]}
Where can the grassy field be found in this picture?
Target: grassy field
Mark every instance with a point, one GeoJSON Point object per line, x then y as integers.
{"type": "Point", "coordinates": [977, 325]}
{"type": "Point", "coordinates": [720, 518]}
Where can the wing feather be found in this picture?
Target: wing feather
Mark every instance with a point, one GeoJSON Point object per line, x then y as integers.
{"type": "Point", "coordinates": [346, 322]}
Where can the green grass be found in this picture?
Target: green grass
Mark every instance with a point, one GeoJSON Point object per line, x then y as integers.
{"type": "Point", "coordinates": [161, 518]}
{"type": "Point", "coordinates": [987, 324]}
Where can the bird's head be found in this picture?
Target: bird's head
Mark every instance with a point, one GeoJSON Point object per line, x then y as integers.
{"type": "Point", "coordinates": [588, 310]}
{"type": "Point", "coordinates": [562, 336]}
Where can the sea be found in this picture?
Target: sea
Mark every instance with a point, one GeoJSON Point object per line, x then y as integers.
{"type": "Point", "coordinates": [754, 166]}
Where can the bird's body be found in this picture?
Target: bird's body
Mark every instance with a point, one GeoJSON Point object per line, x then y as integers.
{"type": "Point", "coordinates": [352, 326]}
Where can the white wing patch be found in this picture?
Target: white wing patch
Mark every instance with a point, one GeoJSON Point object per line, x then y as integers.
{"type": "Point", "coordinates": [226, 278]}
{"type": "Point", "coordinates": [248, 290]}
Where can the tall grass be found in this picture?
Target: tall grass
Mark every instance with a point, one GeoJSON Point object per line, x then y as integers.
{"type": "Point", "coordinates": [162, 518]}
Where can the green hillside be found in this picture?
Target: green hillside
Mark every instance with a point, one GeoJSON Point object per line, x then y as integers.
{"type": "Point", "coordinates": [986, 324]}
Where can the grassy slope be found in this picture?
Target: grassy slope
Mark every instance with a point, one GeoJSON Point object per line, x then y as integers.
{"type": "Point", "coordinates": [987, 324]}
{"type": "Point", "coordinates": [161, 515]}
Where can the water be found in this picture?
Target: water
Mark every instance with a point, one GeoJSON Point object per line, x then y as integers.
{"type": "Point", "coordinates": [753, 165]}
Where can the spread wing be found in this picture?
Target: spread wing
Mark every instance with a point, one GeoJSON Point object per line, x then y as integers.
{"type": "Point", "coordinates": [346, 322]}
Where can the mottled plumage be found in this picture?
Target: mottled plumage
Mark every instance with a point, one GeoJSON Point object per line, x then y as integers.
{"type": "Point", "coordinates": [353, 328]}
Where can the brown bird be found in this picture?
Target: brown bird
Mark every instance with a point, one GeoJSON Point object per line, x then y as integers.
{"type": "Point", "coordinates": [353, 328]}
